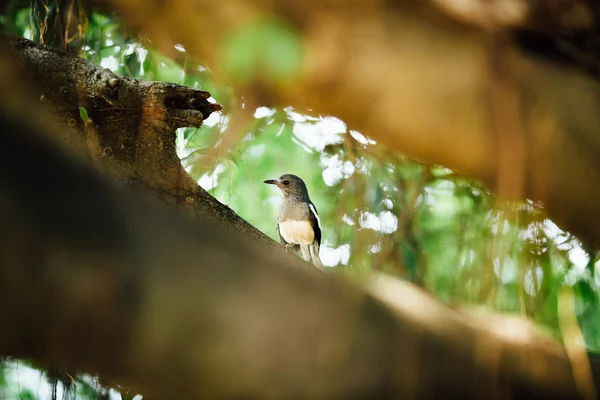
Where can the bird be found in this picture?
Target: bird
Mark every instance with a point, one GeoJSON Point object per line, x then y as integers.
{"type": "Point", "coordinates": [298, 222]}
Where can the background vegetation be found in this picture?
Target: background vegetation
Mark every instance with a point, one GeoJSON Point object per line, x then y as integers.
{"type": "Point", "coordinates": [380, 211]}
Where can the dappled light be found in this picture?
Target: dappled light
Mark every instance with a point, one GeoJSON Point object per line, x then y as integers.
{"type": "Point", "coordinates": [452, 167]}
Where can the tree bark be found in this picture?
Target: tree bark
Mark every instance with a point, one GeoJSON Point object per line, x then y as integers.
{"type": "Point", "coordinates": [470, 88]}
{"type": "Point", "coordinates": [126, 127]}
{"type": "Point", "coordinates": [111, 285]}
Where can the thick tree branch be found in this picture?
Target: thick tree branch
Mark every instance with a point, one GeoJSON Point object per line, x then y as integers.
{"type": "Point", "coordinates": [129, 132]}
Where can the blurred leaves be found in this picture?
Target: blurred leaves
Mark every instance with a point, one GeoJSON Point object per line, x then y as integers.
{"type": "Point", "coordinates": [264, 48]}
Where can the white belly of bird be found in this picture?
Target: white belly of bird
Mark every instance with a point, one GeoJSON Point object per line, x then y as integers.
{"type": "Point", "coordinates": [297, 232]}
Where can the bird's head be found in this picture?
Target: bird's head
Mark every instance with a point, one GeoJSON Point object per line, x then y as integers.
{"type": "Point", "coordinates": [290, 185]}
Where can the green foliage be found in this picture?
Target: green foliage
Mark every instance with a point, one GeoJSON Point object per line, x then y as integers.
{"type": "Point", "coordinates": [26, 394]}
{"type": "Point", "coordinates": [262, 49]}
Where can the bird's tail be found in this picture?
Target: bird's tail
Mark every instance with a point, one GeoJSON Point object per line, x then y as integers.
{"type": "Point", "coordinates": [314, 256]}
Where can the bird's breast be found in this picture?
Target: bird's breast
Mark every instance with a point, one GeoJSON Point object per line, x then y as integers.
{"type": "Point", "coordinates": [297, 232]}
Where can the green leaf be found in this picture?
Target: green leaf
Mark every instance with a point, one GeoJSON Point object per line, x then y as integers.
{"type": "Point", "coordinates": [83, 114]}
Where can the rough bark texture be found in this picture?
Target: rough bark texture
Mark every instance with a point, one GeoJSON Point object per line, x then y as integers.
{"type": "Point", "coordinates": [130, 128]}
{"type": "Point", "coordinates": [189, 311]}
{"type": "Point", "coordinates": [422, 77]}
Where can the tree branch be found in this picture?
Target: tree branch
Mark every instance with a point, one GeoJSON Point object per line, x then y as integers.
{"type": "Point", "coordinates": [129, 128]}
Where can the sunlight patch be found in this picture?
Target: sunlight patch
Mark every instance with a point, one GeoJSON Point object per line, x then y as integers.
{"type": "Point", "coordinates": [385, 222]}
{"type": "Point", "coordinates": [263, 112]}
{"type": "Point", "coordinates": [505, 227]}
{"type": "Point", "coordinates": [110, 62]}
{"type": "Point", "coordinates": [331, 257]}
{"type": "Point", "coordinates": [387, 203]}
{"type": "Point", "coordinates": [532, 282]}
{"type": "Point", "coordinates": [506, 270]}
{"type": "Point", "coordinates": [336, 170]}
{"type": "Point", "coordinates": [141, 54]}
{"type": "Point", "coordinates": [211, 179]}
{"type": "Point", "coordinates": [374, 248]}
{"type": "Point", "coordinates": [579, 258]}
{"type": "Point", "coordinates": [214, 119]}
{"type": "Point", "coordinates": [360, 138]}
{"type": "Point", "coordinates": [319, 134]}
{"type": "Point", "coordinates": [348, 220]}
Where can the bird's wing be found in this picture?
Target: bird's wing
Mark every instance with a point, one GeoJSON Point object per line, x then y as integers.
{"type": "Point", "coordinates": [315, 222]}
{"type": "Point", "coordinates": [280, 237]}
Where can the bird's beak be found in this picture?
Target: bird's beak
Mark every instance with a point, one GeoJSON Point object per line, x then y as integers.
{"type": "Point", "coordinates": [271, 181]}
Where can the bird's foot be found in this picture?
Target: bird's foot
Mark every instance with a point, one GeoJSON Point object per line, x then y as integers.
{"type": "Point", "coordinates": [288, 247]}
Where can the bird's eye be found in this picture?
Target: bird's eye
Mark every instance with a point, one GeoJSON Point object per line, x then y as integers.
{"type": "Point", "coordinates": [286, 182]}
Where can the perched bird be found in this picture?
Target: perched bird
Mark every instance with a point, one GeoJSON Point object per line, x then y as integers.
{"type": "Point", "coordinates": [298, 223]}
